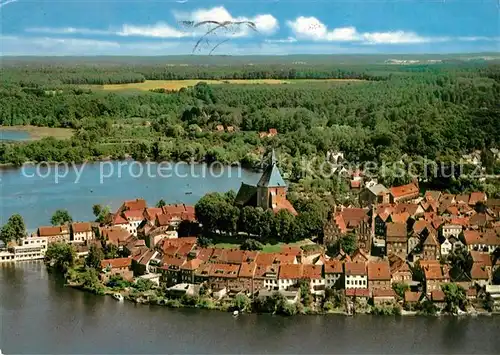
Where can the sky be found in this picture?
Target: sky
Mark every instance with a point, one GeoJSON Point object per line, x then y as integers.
{"type": "Point", "coordinates": [273, 27]}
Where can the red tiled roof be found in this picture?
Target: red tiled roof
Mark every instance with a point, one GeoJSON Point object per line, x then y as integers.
{"type": "Point", "coordinates": [116, 263]}
{"type": "Point", "coordinates": [265, 258]}
{"type": "Point", "coordinates": [291, 271]}
{"type": "Point", "coordinates": [352, 269]}
{"type": "Point", "coordinates": [479, 272]}
{"type": "Point", "coordinates": [224, 270]}
{"type": "Point", "coordinates": [410, 208]}
{"type": "Point", "coordinates": [357, 292]}
{"type": "Point", "coordinates": [437, 296]}
{"type": "Point", "coordinates": [135, 215]}
{"type": "Point", "coordinates": [400, 217]}
{"type": "Point", "coordinates": [355, 184]}
{"type": "Point", "coordinates": [118, 219]}
{"type": "Point", "coordinates": [205, 253]}
{"type": "Point", "coordinates": [284, 204]}
{"type": "Point", "coordinates": [333, 267]}
{"type": "Point", "coordinates": [192, 264]}
{"type": "Point", "coordinates": [379, 271]}
{"type": "Point", "coordinates": [185, 249]}
{"type": "Point", "coordinates": [462, 198]}
{"type": "Point", "coordinates": [150, 213]}
{"type": "Point", "coordinates": [396, 230]}
{"type": "Point", "coordinates": [481, 258]}
{"type": "Point", "coordinates": [169, 260]}
{"type": "Point", "coordinates": [81, 227]}
{"type": "Point", "coordinates": [404, 190]}
{"type": "Point", "coordinates": [433, 272]}
{"type": "Point", "coordinates": [419, 226]}
{"type": "Point", "coordinates": [115, 235]}
{"type": "Point", "coordinates": [461, 221]}
{"type": "Point", "coordinates": [137, 204]}
{"type": "Point", "coordinates": [412, 296]}
{"type": "Point", "coordinates": [383, 293]}
{"type": "Point", "coordinates": [312, 272]}
{"type": "Point", "coordinates": [51, 231]}
{"type": "Point", "coordinates": [247, 270]}
{"type": "Point", "coordinates": [472, 237]}
{"type": "Point", "coordinates": [476, 197]}
{"type": "Point", "coordinates": [283, 259]}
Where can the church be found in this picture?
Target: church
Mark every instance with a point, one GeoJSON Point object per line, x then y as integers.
{"type": "Point", "coordinates": [269, 193]}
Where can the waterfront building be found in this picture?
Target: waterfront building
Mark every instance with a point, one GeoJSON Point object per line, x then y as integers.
{"type": "Point", "coordinates": [81, 232]}
{"type": "Point", "coordinates": [29, 248]}
{"type": "Point", "coordinates": [55, 233]}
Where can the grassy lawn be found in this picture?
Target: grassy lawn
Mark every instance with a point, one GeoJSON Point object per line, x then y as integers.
{"type": "Point", "coordinates": [268, 248]}
{"type": "Point", "coordinates": [41, 132]}
{"type": "Point", "coordinates": [178, 84]}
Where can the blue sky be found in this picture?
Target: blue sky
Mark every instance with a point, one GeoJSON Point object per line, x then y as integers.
{"type": "Point", "coordinates": [153, 27]}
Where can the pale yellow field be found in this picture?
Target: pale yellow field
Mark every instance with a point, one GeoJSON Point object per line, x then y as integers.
{"type": "Point", "coordinates": [179, 84]}
{"type": "Point", "coordinates": [41, 132]}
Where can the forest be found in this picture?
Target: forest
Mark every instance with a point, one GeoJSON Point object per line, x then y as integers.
{"type": "Point", "coordinates": [396, 113]}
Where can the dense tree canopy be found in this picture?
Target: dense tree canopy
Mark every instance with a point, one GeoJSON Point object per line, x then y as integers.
{"type": "Point", "coordinates": [14, 229]}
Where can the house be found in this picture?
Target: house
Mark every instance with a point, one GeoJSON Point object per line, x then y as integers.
{"type": "Point", "coordinates": [29, 248]}
{"type": "Point", "coordinates": [246, 277]}
{"type": "Point", "coordinates": [313, 274]}
{"type": "Point", "coordinates": [289, 275]}
{"type": "Point", "coordinates": [360, 294]}
{"type": "Point", "coordinates": [446, 247]}
{"type": "Point", "coordinates": [438, 298]}
{"type": "Point", "coordinates": [360, 256]}
{"type": "Point", "coordinates": [400, 271]}
{"type": "Point", "coordinates": [403, 193]}
{"type": "Point", "coordinates": [333, 271]}
{"type": "Point", "coordinates": [356, 275]}
{"type": "Point", "coordinates": [133, 205]}
{"type": "Point", "coordinates": [383, 296]}
{"type": "Point", "coordinates": [219, 128]}
{"type": "Point", "coordinates": [411, 300]}
{"type": "Point", "coordinates": [349, 220]}
{"type": "Point", "coordinates": [487, 241]}
{"type": "Point", "coordinates": [82, 232]}
{"type": "Point", "coordinates": [141, 262]}
{"type": "Point", "coordinates": [116, 236]}
{"type": "Point", "coordinates": [448, 230]}
{"type": "Point", "coordinates": [480, 274]}
{"type": "Point", "coordinates": [188, 270]}
{"type": "Point", "coordinates": [134, 219]}
{"type": "Point", "coordinates": [269, 193]}
{"type": "Point", "coordinates": [434, 275]}
{"type": "Point", "coordinates": [396, 239]}
{"type": "Point", "coordinates": [119, 266]}
{"type": "Point", "coordinates": [55, 233]}
{"type": "Point", "coordinates": [267, 275]}
{"type": "Point", "coordinates": [224, 275]}
{"type": "Point", "coordinates": [379, 275]}
{"type": "Point", "coordinates": [374, 194]}
{"type": "Point", "coordinates": [430, 248]}
{"type": "Point", "coordinates": [171, 269]}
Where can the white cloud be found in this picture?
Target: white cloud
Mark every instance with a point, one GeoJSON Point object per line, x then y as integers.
{"type": "Point", "coordinates": [265, 23]}
{"type": "Point", "coordinates": [282, 40]}
{"type": "Point", "coordinates": [159, 30]}
{"type": "Point", "coordinates": [67, 30]}
{"type": "Point", "coordinates": [313, 29]}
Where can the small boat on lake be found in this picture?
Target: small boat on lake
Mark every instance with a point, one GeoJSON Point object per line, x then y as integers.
{"type": "Point", "coordinates": [236, 313]}
{"type": "Point", "coordinates": [118, 297]}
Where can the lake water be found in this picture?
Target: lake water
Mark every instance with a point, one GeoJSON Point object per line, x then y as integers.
{"type": "Point", "coordinates": [41, 316]}
{"type": "Point", "coordinates": [36, 192]}
{"type": "Point", "coordinates": [14, 135]}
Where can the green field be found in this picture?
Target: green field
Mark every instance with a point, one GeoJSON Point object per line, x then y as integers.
{"type": "Point", "coordinates": [268, 248]}
{"type": "Point", "coordinates": [179, 84]}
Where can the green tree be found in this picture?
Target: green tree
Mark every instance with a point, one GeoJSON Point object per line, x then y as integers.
{"type": "Point", "coordinates": [400, 288]}
{"type": "Point", "coordinates": [161, 203]}
{"type": "Point", "coordinates": [14, 229]}
{"type": "Point", "coordinates": [251, 244]}
{"type": "Point", "coordinates": [111, 251]}
{"type": "Point", "coordinates": [242, 303]}
{"type": "Point", "coordinates": [101, 213]}
{"type": "Point", "coordinates": [93, 259]}
{"type": "Point", "coordinates": [91, 283]}
{"type": "Point", "coordinates": [461, 263]}
{"type": "Point", "coordinates": [61, 217]}
{"type": "Point", "coordinates": [454, 296]}
{"type": "Point", "coordinates": [143, 285]}
{"type": "Point", "coordinates": [203, 241]}
{"type": "Point", "coordinates": [60, 256]}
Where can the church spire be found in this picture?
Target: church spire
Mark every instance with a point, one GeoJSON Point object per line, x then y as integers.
{"type": "Point", "coordinates": [274, 161]}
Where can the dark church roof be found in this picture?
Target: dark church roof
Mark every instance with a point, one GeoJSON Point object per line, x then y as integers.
{"type": "Point", "coordinates": [271, 176]}
{"type": "Point", "coordinates": [247, 195]}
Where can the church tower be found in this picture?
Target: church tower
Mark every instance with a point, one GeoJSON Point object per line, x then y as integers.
{"type": "Point", "coordinates": [271, 188]}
